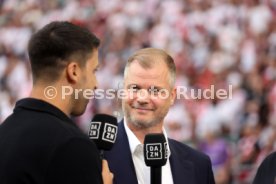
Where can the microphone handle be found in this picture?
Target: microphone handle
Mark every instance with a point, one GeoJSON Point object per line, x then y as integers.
{"type": "Point", "coordinates": [155, 175]}
{"type": "Point", "coordinates": [101, 154]}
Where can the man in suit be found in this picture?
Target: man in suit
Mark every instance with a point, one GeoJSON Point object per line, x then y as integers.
{"type": "Point", "coordinates": [39, 143]}
{"type": "Point", "coordinates": [149, 79]}
{"type": "Point", "coordinates": [266, 173]}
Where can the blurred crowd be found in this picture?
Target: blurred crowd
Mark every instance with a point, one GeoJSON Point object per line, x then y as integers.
{"type": "Point", "coordinates": [213, 42]}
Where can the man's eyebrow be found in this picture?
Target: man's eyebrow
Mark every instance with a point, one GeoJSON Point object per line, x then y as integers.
{"type": "Point", "coordinates": [156, 87]}
{"type": "Point", "coordinates": [133, 85]}
{"type": "Point", "coordinates": [153, 87]}
{"type": "Point", "coordinates": [139, 87]}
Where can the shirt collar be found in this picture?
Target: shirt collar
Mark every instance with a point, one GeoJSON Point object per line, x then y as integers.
{"type": "Point", "coordinates": [134, 141]}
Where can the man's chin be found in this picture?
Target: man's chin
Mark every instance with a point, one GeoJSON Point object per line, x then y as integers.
{"type": "Point", "coordinates": [142, 122]}
{"type": "Point", "coordinates": [79, 112]}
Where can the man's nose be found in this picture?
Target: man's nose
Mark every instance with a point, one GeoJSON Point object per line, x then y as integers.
{"type": "Point", "coordinates": [143, 96]}
{"type": "Point", "coordinates": [96, 85]}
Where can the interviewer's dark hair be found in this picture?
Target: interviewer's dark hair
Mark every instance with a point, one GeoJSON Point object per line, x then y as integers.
{"type": "Point", "coordinates": [52, 47]}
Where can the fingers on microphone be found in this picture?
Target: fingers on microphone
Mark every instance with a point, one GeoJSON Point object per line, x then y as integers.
{"type": "Point", "coordinates": [105, 170]}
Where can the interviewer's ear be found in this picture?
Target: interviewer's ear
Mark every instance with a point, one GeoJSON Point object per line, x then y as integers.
{"type": "Point", "coordinates": [173, 95]}
{"type": "Point", "coordinates": [73, 72]}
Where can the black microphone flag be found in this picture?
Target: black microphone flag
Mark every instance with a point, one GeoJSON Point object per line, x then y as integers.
{"type": "Point", "coordinates": [103, 131]}
{"type": "Point", "coordinates": [155, 155]}
{"type": "Point", "coordinates": [155, 150]}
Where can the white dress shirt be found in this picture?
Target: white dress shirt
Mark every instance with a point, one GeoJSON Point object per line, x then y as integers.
{"type": "Point", "coordinates": [143, 171]}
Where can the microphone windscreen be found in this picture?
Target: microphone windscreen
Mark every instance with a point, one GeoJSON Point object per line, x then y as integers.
{"type": "Point", "coordinates": [155, 150]}
{"type": "Point", "coordinates": [103, 131]}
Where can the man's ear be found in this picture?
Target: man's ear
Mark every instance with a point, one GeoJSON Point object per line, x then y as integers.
{"type": "Point", "coordinates": [73, 72]}
{"type": "Point", "coordinates": [173, 95]}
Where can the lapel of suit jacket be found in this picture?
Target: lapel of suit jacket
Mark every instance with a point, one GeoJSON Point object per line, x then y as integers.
{"type": "Point", "coordinates": [182, 169]}
{"type": "Point", "coordinates": [123, 159]}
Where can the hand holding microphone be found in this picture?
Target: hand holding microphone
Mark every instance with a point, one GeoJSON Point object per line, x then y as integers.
{"type": "Point", "coordinates": [103, 131]}
{"type": "Point", "coordinates": [155, 155]}
{"type": "Point", "coordinates": [107, 175]}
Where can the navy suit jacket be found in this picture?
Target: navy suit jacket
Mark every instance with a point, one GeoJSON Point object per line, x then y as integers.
{"type": "Point", "coordinates": [188, 165]}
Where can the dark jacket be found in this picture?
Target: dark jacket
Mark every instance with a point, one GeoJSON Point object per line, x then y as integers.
{"type": "Point", "coordinates": [266, 173]}
{"type": "Point", "coordinates": [39, 144]}
{"type": "Point", "coordinates": [188, 165]}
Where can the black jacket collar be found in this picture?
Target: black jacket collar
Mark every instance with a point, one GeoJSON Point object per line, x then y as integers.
{"type": "Point", "coordinates": [42, 106]}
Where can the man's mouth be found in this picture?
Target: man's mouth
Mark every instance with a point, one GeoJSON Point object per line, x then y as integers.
{"type": "Point", "coordinates": [142, 108]}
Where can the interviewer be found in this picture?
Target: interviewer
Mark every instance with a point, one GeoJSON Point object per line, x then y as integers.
{"type": "Point", "coordinates": [39, 143]}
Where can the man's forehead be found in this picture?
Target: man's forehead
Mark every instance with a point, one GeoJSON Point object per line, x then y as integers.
{"type": "Point", "coordinates": [136, 69]}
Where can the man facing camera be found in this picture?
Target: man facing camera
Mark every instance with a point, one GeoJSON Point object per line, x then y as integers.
{"type": "Point", "coordinates": [149, 80]}
{"type": "Point", "coordinates": [39, 143]}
